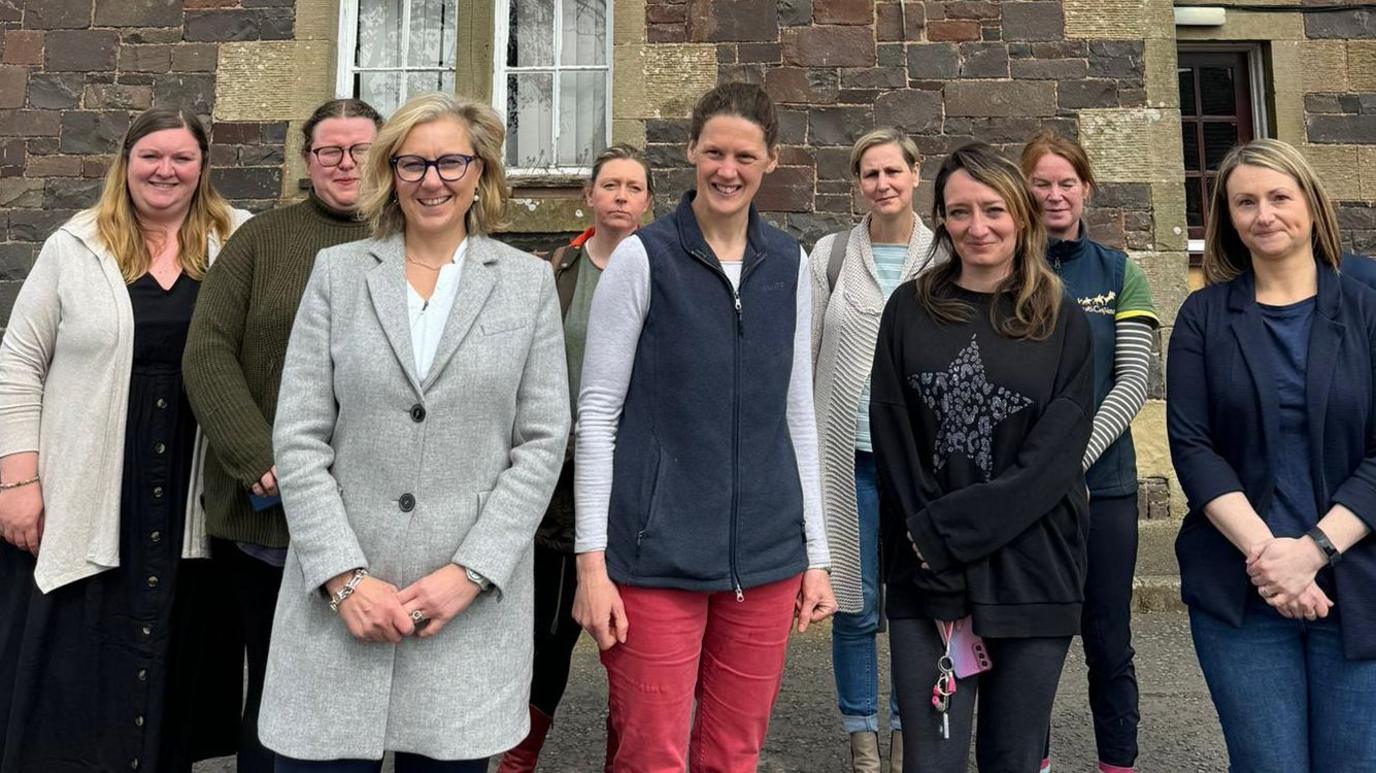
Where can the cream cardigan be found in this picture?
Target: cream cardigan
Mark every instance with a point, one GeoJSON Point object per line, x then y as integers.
{"type": "Point", "coordinates": [843, 338]}
{"type": "Point", "coordinates": [64, 392]}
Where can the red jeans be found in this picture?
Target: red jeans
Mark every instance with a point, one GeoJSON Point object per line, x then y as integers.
{"type": "Point", "coordinates": [682, 646]}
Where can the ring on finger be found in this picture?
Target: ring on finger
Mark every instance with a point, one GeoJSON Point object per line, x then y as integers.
{"type": "Point", "coordinates": [417, 616]}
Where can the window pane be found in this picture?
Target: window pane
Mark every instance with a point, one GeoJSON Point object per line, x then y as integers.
{"type": "Point", "coordinates": [434, 80]}
{"type": "Point", "coordinates": [530, 40]}
{"type": "Point", "coordinates": [433, 28]}
{"type": "Point", "coordinates": [582, 116]}
{"type": "Point", "coordinates": [1219, 138]}
{"type": "Point", "coordinates": [1194, 207]}
{"type": "Point", "coordinates": [1216, 90]}
{"type": "Point", "coordinates": [1189, 135]}
{"type": "Point", "coordinates": [1187, 106]}
{"type": "Point", "coordinates": [382, 90]}
{"type": "Point", "coordinates": [530, 120]}
{"type": "Point", "coordinates": [379, 35]}
{"type": "Point", "coordinates": [585, 32]}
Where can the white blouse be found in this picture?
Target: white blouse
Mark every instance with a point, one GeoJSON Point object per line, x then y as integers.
{"type": "Point", "coordinates": [428, 318]}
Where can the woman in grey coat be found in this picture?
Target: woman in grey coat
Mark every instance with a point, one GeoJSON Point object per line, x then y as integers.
{"type": "Point", "coordinates": [420, 430]}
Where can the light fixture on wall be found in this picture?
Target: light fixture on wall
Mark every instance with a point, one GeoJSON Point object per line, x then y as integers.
{"type": "Point", "coordinates": [1199, 16]}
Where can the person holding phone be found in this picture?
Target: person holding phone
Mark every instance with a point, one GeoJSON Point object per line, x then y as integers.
{"type": "Point", "coordinates": [233, 368]}
{"type": "Point", "coordinates": [980, 412]}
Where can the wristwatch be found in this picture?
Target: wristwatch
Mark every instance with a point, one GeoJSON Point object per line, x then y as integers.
{"type": "Point", "coordinates": [1330, 551]}
{"type": "Point", "coordinates": [482, 582]}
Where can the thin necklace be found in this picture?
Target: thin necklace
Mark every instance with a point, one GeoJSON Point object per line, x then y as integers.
{"type": "Point", "coordinates": [427, 266]}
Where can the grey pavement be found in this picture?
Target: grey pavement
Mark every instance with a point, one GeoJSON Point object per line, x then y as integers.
{"type": "Point", "coordinates": [1179, 730]}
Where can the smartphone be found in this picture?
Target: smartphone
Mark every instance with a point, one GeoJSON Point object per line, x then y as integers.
{"type": "Point", "coordinates": [968, 654]}
{"type": "Point", "coordinates": [259, 504]}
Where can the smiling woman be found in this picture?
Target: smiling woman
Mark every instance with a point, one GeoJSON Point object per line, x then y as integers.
{"type": "Point", "coordinates": [697, 378]}
{"type": "Point", "coordinates": [115, 653]}
{"type": "Point", "coordinates": [425, 378]}
{"type": "Point", "coordinates": [233, 366]}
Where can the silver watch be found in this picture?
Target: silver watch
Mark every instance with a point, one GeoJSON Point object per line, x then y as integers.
{"type": "Point", "coordinates": [482, 582]}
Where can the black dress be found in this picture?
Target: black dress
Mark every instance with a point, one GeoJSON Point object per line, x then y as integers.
{"type": "Point", "coordinates": [139, 667]}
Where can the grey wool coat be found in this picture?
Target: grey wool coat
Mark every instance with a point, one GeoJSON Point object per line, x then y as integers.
{"type": "Point", "coordinates": [402, 477]}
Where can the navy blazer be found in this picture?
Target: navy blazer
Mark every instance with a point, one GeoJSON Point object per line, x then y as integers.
{"type": "Point", "coordinates": [1223, 416]}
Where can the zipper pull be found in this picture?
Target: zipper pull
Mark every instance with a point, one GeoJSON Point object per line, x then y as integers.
{"type": "Point", "coordinates": [740, 320]}
{"type": "Point", "coordinates": [740, 594]}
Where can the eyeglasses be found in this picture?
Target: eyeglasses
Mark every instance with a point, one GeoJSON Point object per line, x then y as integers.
{"type": "Point", "coordinates": [333, 155]}
{"type": "Point", "coordinates": [450, 167]}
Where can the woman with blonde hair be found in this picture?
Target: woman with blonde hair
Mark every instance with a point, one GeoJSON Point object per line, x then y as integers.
{"type": "Point", "coordinates": [979, 414]}
{"type": "Point", "coordinates": [1272, 425]}
{"type": "Point", "coordinates": [853, 274]}
{"type": "Point", "coordinates": [420, 430]}
{"type": "Point", "coordinates": [114, 653]}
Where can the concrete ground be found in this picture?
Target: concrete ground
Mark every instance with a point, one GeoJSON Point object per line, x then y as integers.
{"type": "Point", "coordinates": [1179, 732]}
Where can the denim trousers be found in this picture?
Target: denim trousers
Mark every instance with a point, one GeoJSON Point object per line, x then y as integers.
{"type": "Point", "coordinates": [854, 657]}
{"type": "Point", "coordinates": [1287, 699]}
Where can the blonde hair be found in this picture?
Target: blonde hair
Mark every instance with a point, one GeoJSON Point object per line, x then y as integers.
{"type": "Point", "coordinates": [377, 197]}
{"type": "Point", "coordinates": [117, 222]}
{"type": "Point", "coordinates": [888, 135]}
{"type": "Point", "coordinates": [1225, 256]}
{"type": "Point", "coordinates": [1035, 288]}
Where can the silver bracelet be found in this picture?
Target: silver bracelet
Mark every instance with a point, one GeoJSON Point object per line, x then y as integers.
{"type": "Point", "coordinates": [347, 590]}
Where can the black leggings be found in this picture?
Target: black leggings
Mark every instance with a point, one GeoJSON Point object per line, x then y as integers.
{"type": "Point", "coordinates": [255, 597]}
{"type": "Point", "coordinates": [556, 632]}
{"type": "Point", "coordinates": [1015, 699]}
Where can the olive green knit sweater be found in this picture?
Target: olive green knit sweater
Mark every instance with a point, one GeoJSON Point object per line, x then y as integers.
{"type": "Point", "coordinates": [234, 351]}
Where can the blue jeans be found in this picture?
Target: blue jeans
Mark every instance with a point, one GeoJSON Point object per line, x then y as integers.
{"type": "Point", "coordinates": [854, 658]}
{"type": "Point", "coordinates": [1286, 697]}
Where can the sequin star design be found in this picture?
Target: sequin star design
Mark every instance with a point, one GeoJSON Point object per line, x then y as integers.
{"type": "Point", "coordinates": [967, 407]}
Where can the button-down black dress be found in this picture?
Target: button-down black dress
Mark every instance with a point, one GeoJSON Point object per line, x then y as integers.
{"type": "Point", "coordinates": [139, 667]}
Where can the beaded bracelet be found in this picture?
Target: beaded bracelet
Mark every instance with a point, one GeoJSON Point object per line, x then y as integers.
{"type": "Point", "coordinates": [19, 483]}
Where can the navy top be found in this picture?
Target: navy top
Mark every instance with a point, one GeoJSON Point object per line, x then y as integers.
{"type": "Point", "coordinates": [1287, 329]}
{"type": "Point", "coordinates": [1224, 421]}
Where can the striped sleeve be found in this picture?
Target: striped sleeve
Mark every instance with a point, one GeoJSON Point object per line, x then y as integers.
{"type": "Point", "coordinates": [1131, 361]}
{"type": "Point", "coordinates": [1135, 301]}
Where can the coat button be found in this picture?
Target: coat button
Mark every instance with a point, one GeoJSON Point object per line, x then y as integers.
{"type": "Point", "coordinates": [152, 581]}
{"type": "Point", "coordinates": [417, 413]}
{"type": "Point", "coordinates": [407, 503]}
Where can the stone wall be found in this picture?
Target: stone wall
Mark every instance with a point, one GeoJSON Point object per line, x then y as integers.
{"type": "Point", "coordinates": [73, 73]}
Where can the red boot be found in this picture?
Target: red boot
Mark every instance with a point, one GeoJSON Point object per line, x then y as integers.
{"type": "Point", "coordinates": [522, 757]}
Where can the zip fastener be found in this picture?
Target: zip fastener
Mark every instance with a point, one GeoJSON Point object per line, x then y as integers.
{"type": "Point", "coordinates": [735, 413]}
{"type": "Point", "coordinates": [736, 438]}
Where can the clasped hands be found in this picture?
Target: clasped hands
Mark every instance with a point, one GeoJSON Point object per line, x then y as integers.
{"type": "Point", "coordinates": [1283, 570]}
{"type": "Point", "coordinates": [378, 611]}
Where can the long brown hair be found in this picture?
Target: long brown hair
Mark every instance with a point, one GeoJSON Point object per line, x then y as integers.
{"type": "Point", "coordinates": [1225, 256]}
{"type": "Point", "coordinates": [1034, 286]}
{"type": "Point", "coordinates": [118, 225]}
{"type": "Point", "coordinates": [377, 201]}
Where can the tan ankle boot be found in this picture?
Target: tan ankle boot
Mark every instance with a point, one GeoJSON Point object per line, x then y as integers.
{"type": "Point", "coordinates": [864, 752]}
{"type": "Point", "coordinates": [896, 751]}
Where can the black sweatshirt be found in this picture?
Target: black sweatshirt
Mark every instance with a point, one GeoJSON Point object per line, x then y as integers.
{"type": "Point", "coordinates": [978, 440]}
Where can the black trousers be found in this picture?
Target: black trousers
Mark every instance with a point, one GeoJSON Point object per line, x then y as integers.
{"type": "Point", "coordinates": [1015, 699]}
{"type": "Point", "coordinates": [255, 588]}
{"type": "Point", "coordinates": [556, 632]}
{"type": "Point", "coordinates": [1106, 628]}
